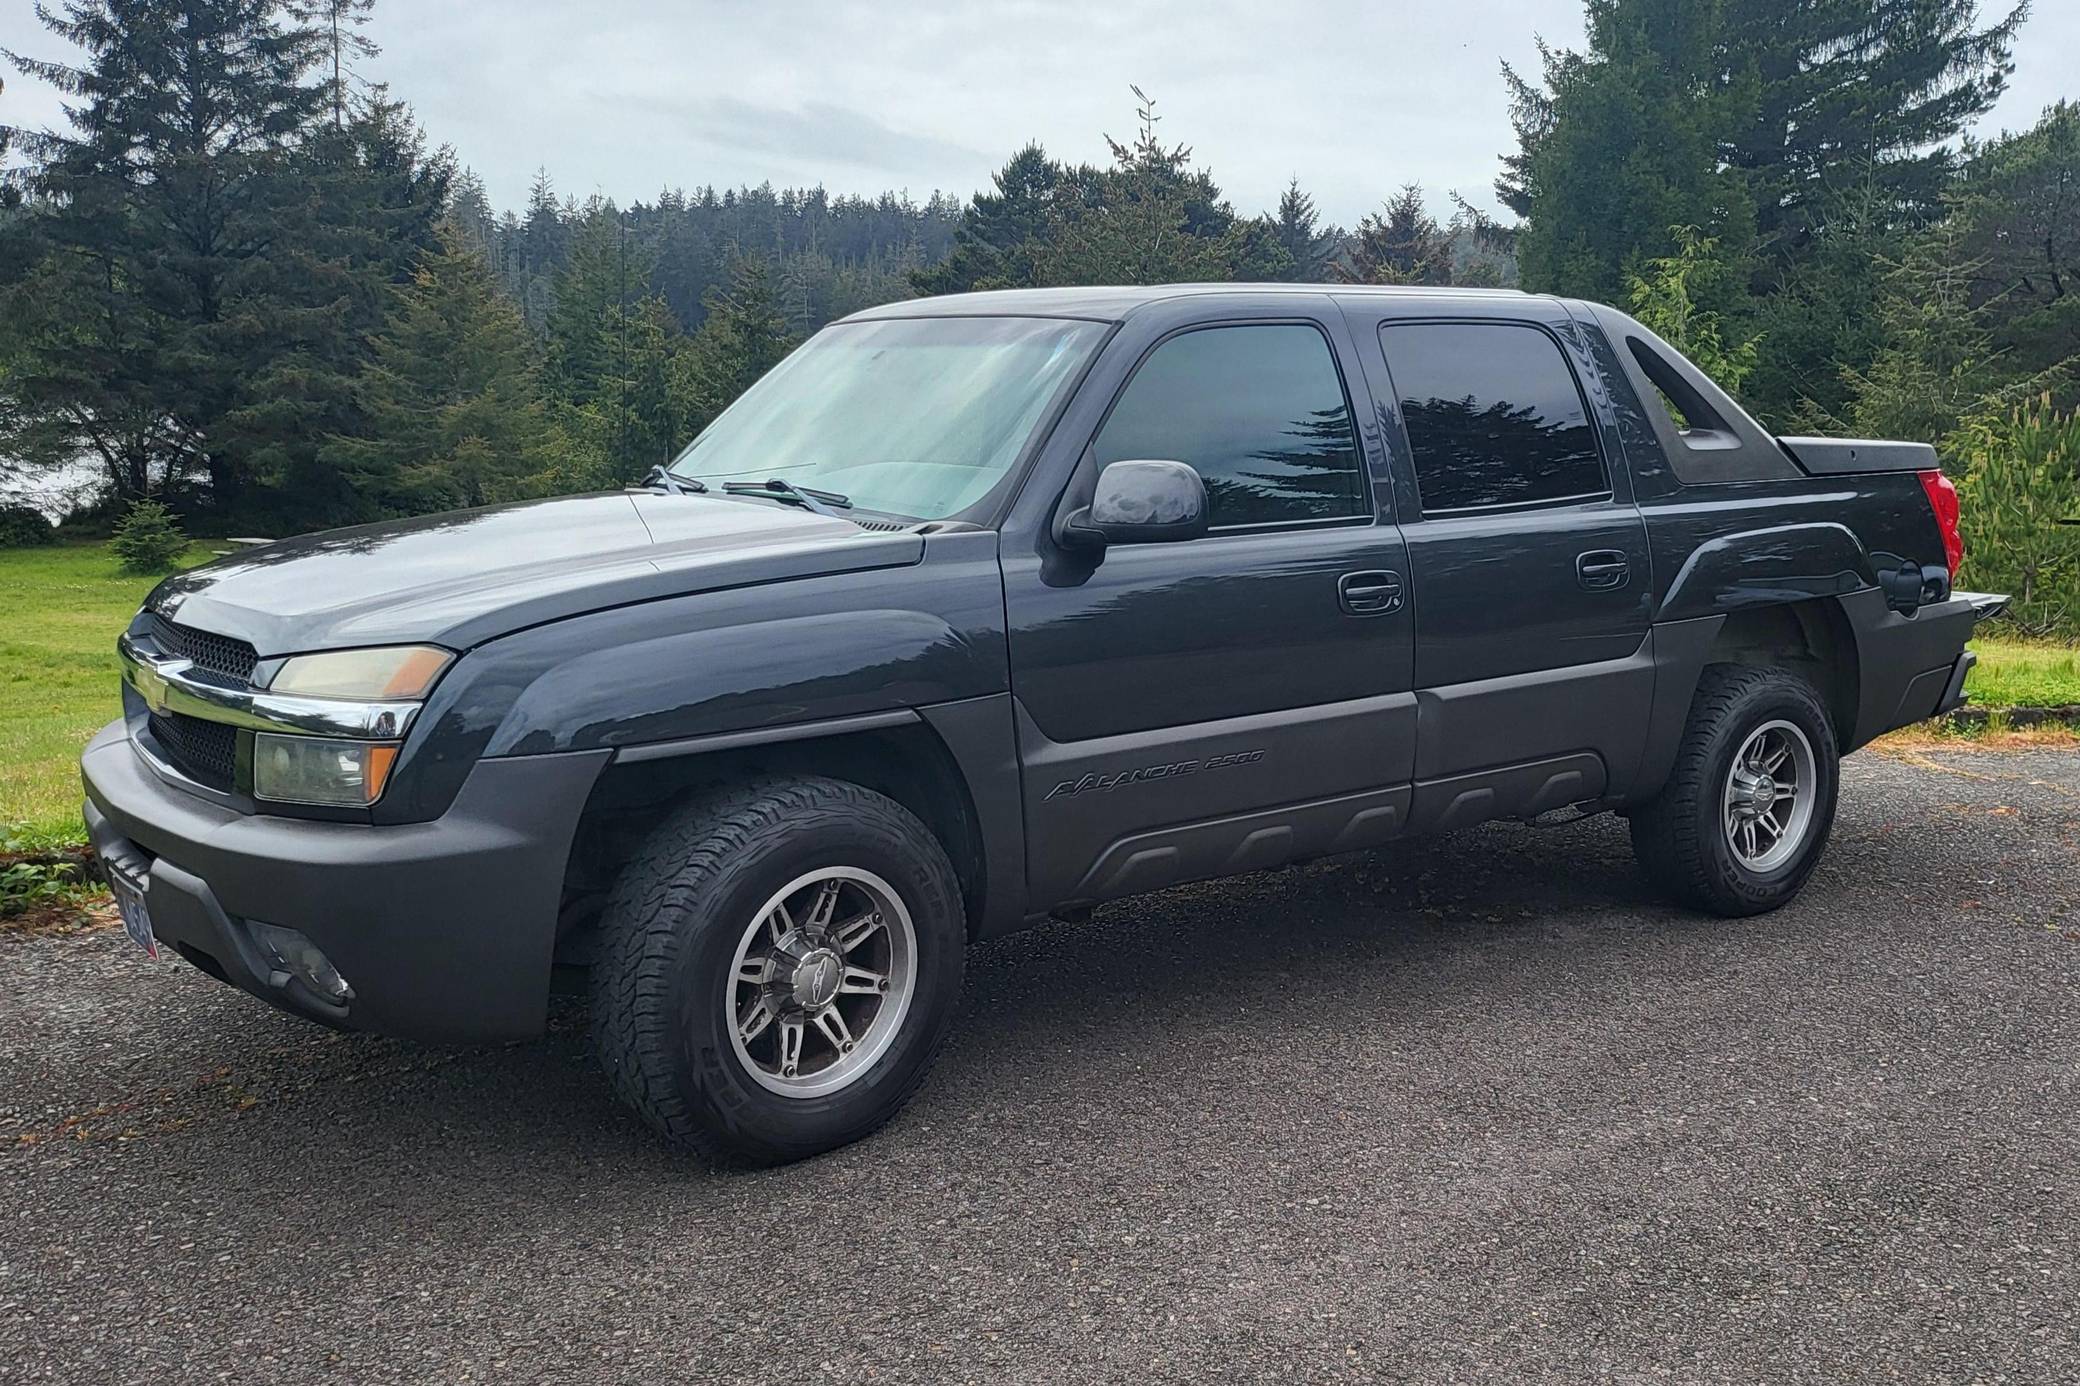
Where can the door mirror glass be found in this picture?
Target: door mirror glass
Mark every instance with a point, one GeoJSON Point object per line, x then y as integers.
{"type": "Point", "coordinates": [1140, 502]}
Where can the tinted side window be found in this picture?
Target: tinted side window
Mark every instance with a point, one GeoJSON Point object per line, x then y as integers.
{"type": "Point", "coordinates": [1259, 411]}
{"type": "Point", "coordinates": [1494, 415]}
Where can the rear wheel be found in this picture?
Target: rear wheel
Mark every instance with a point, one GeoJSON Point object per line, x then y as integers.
{"type": "Point", "coordinates": [779, 965]}
{"type": "Point", "coordinates": [1747, 809]}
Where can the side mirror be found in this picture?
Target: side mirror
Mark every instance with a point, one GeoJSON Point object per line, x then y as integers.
{"type": "Point", "coordinates": [1139, 502]}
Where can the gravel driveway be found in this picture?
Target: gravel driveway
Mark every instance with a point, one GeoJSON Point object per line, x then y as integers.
{"type": "Point", "coordinates": [1476, 1110]}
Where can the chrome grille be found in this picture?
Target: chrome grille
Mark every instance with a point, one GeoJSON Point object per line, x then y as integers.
{"type": "Point", "coordinates": [206, 752]}
{"type": "Point", "coordinates": [215, 654]}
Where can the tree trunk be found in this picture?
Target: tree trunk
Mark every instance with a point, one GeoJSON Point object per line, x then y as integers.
{"type": "Point", "coordinates": [225, 483]}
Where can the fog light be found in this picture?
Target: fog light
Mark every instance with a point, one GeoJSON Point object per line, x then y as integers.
{"type": "Point", "coordinates": [299, 958]}
{"type": "Point", "coordinates": [320, 770]}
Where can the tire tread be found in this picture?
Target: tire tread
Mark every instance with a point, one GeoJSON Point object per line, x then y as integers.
{"type": "Point", "coordinates": [1670, 832]}
{"type": "Point", "coordinates": [643, 925]}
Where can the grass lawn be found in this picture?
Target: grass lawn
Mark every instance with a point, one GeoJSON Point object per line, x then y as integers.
{"type": "Point", "coordinates": [65, 605]}
{"type": "Point", "coordinates": [2014, 674]}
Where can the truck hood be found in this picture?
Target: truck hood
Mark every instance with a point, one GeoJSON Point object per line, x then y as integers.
{"type": "Point", "coordinates": [461, 578]}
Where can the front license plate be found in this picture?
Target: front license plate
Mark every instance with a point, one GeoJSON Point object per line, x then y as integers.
{"type": "Point", "coordinates": [137, 917]}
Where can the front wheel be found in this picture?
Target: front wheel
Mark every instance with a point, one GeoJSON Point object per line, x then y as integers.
{"type": "Point", "coordinates": [1747, 808]}
{"type": "Point", "coordinates": [779, 966]}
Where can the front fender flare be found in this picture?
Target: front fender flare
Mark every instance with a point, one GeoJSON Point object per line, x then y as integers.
{"type": "Point", "coordinates": [736, 678]}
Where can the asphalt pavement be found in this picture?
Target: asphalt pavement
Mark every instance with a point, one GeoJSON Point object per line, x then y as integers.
{"type": "Point", "coordinates": [1481, 1109]}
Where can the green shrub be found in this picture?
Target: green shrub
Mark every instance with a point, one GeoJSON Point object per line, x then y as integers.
{"type": "Point", "coordinates": [27, 881]}
{"type": "Point", "coordinates": [2019, 485]}
{"type": "Point", "coordinates": [24, 885]}
{"type": "Point", "coordinates": [1673, 295]}
{"type": "Point", "coordinates": [24, 526]}
{"type": "Point", "coordinates": [149, 539]}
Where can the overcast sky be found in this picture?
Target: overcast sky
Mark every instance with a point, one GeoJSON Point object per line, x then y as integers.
{"type": "Point", "coordinates": [626, 98]}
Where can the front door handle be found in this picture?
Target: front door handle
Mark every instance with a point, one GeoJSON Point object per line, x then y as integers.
{"type": "Point", "coordinates": [1602, 570]}
{"type": "Point", "coordinates": [1375, 593]}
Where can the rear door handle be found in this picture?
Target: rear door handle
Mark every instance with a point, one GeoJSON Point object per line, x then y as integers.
{"type": "Point", "coordinates": [1602, 570]}
{"type": "Point", "coordinates": [1374, 593]}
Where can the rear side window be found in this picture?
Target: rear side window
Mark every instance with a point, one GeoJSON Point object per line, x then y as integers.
{"type": "Point", "coordinates": [1494, 416]}
{"type": "Point", "coordinates": [1259, 411]}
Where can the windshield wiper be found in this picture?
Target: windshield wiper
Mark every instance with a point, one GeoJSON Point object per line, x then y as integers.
{"type": "Point", "coordinates": [807, 497]}
{"type": "Point", "coordinates": [677, 485]}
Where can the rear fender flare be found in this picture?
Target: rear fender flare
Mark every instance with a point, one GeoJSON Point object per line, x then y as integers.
{"type": "Point", "coordinates": [1766, 567]}
{"type": "Point", "coordinates": [1825, 630]}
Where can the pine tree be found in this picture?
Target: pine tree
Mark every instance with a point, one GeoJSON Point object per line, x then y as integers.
{"type": "Point", "coordinates": [543, 245]}
{"type": "Point", "coordinates": [1801, 137]}
{"type": "Point", "coordinates": [1307, 244]}
{"type": "Point", "coordinates": [14, 267]}
{"type": "Point", "coordinates": [999, 231]}
{"type": "Point", "coordinates": [2017, 207]}
{"type": "Point", "coordinates": [1939, 362]}
{"type": "Point", "coordinates": [657, 423]}
{"type": "Point", "coordinates": [452, 398]}
{"type": "Point", "coordinates": [1152, 218]}
{"type": "Point", "coordinates": [1400, 244]}
{"type": "Point", "coordinates": [612, 344]}
{"type": "Point", "coordinates": [1857, 105]}
{"type": "Point", "coordinates": [10, 193]}
{"type": "Point", "coordinates": [743, 336]}
{"type": "Point", "coordinates": [1882, 86]}
{"type": "Point", "coordinates": [1669, 295]}
{"type": "Point", "coordinates": [469, 212]}
{"type": "Point", "coordinates": [339, 23]}
{"type": "Point", "coordinates": [1621, 142]}
{"type": "Point", "coordinates": [1823, 312]}
{"type": "Point", "coordinates": [2021, 496]}
{"type": "Point", "coordinates": [1484, 251]}
{"type": "Point", "coordinates": [372, 210]}
{"type": "Point", "coordinates": [603, 279]}
{"type": "Point", "coordinates": [157, 296]}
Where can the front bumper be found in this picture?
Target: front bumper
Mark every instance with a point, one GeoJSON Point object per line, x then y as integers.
{"type": "Point", "coordinates": [445, 929]}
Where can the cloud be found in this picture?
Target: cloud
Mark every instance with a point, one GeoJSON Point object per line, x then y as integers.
{"type": "Point", "coordinates": [812, 134]}
{"type": "Point", "coordinates": [625, 97]}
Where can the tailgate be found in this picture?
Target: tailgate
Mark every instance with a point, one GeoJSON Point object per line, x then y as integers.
{"type": "Point", "coordinates": [1985, 605]}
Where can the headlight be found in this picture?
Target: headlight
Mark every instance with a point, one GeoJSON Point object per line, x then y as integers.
{"type": "Point", "coordinates": [398, 671]}
{"type": "Point", "coordinates": [320, 770]}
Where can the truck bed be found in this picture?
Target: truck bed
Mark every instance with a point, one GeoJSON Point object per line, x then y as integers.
{"type": "Point", "coordinates": [1848, 456]}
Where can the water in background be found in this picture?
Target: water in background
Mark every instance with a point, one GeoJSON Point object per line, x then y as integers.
{"type": "Point", "coordinates": [55, 493]}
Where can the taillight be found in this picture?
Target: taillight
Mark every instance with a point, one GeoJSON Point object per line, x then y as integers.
{"type": "Point", "coordinates": [1942, 498]}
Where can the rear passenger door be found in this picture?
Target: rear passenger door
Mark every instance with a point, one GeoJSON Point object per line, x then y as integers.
{"type": "Point", "coordinates": [1528, 559]}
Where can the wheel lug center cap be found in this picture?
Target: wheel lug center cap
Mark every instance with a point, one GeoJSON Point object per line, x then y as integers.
{"type": "Point", "coordinates": [816, 977]}
{"type": "Point", "coordinates": [1763, 792]}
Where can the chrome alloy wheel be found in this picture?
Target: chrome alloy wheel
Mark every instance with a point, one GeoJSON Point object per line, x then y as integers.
{"type": "Point", "coordinates": [821, 981]}
{"type": "Point", "coordinates": [1770, 793]}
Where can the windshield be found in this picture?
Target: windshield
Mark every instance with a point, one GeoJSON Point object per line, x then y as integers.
{"type": "Point", "coordinates": [919, 417]}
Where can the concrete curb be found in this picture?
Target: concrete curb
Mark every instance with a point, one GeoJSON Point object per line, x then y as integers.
{"type": "Point", "coordinates": [2068, 713]}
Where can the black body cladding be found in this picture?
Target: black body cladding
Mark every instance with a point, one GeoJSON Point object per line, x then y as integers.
{"type": "Point", "coordinates": [1453, 560]}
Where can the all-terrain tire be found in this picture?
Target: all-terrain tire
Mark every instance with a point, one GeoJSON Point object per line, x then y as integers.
{"type": "Point", "coordinates": [1680, 835]}
{"type": "Point", "coordinates": [662, 998]}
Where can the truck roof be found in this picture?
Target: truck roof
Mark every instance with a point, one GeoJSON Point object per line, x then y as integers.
{"type": "Point", "coordinates": [1115, 302]}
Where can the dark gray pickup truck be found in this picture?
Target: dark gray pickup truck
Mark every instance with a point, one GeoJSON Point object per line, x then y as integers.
{"type": "Point", "coordinates": [986, 608]}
